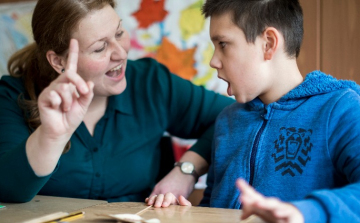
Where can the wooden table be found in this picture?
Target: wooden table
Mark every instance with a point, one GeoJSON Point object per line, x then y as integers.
{"type": "Point", "coordinates": [44, 205]}
{"type": "Point", "coordinates": [172, 214]}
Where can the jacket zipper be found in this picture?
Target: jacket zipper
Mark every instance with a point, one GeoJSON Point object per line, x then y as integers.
{"type": "Point", "coordinates": [254, 151]}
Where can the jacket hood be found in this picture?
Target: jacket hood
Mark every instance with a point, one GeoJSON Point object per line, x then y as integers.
{"type": "Point", "coordinates": [316, 83]}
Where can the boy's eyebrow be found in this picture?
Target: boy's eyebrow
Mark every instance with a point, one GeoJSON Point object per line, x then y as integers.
{"type": "Point", "coordinates": [217, 38]}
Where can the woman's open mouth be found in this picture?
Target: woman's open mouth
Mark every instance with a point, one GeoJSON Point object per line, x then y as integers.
{"type": "Point", "coordinates": [115, 72]}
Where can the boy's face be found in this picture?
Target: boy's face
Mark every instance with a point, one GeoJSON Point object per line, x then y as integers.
{"type": "Point", "coordinates": [239, 63]}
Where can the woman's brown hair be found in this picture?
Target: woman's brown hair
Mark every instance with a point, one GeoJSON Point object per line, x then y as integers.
{"type": "Point", "coordinates": [52, 25]}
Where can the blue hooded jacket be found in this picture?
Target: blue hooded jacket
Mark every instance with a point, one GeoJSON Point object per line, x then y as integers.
{"type": "Point", "coordinates": [304, 149]}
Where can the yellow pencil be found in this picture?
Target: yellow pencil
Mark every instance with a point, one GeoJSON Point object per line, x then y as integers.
{"type": "Point", "coordinates": [71, 217]}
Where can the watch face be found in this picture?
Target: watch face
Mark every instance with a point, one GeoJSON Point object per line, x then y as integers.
{"type": "Point", "coordinates": [187, 167]}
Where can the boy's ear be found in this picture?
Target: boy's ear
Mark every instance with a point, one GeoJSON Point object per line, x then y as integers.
{"type": "Point", "coordinates": [56, 61]}
{"type": "Point", "coordinates": [272, 38]}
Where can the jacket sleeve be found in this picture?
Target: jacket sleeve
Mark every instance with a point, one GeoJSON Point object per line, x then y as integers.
{"type": "Point", "coordinates": [192, 110]}
{"type": "Point", "coordinates": [19, 182]}
{"type": "Point", "coordinates": [340, 204]}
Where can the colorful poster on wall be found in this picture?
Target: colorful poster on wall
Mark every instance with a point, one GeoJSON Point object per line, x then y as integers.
{"type": "Point", "coordinates": [173, 32]}
{"type": "Point", "coordinates": [15, 30]}
{"type": "Point", "coordinates": [176, 34]}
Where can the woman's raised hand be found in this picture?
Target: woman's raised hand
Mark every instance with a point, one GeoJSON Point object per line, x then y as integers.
{"type": "Point", "coordinates": [64, 103]}
{"type": "Point", "coordinates": [62, 106]}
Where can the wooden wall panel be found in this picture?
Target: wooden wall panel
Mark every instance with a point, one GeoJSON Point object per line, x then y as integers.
{"type": "Point", "coordinates": [309, 58]}
{"type": "Point", "coordinates": [7, 1]}
{"type": "Point", "coordinates": [340, 38]}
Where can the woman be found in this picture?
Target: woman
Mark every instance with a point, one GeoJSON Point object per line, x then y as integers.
{"type": "Point", "coordinates": [80, 120]}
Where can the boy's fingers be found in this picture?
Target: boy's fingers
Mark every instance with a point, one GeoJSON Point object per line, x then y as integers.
{"type": "Point", "coordinates": [249, 198]}
{"type": "Point", "coordinates": [248, 190]}
{"type": "Point", "coordinates": [247, 208]}
{"type": "Point", "coordinates": [243, 186]}
{"type": "Point", "coordinates": [269, 209]}
{"type": "Point", "coordinates": [269, 204]}
{"type": "Point", "coordinates": [285, 210]}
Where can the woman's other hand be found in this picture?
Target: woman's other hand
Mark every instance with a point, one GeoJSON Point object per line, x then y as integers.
{"type": "Point", "coordinates": [179, 183]}
{"type": "Point", "coordinates": [166, 200]}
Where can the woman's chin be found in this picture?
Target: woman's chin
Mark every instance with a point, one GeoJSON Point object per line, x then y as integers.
{"type": "Point", "coordinates": [111, 90]}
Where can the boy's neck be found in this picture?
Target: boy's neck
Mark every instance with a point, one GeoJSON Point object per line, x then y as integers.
{"type": "Point", "coordinates": [286, 76]}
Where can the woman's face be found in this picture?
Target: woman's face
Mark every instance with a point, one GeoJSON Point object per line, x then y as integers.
{"type": "Point", "coordinates": [103, 49]}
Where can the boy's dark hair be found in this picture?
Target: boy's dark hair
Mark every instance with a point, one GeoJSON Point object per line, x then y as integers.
{"type": "Point", "coordinates": [254, 16]}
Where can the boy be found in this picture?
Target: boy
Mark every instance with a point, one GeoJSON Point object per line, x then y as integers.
{"type": "Point", "coordinates": [294, 139]}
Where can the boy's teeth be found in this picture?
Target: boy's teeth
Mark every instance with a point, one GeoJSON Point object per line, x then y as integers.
{"type": "Point", "coordinates": [116, 68]}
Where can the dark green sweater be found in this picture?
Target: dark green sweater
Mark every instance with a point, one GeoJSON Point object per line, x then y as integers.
{"type": "Point", "coordinates": [120, 161]}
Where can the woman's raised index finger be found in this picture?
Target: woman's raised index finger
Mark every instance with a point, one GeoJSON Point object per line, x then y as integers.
{"type": "Point", "coordinates": [73, 55]}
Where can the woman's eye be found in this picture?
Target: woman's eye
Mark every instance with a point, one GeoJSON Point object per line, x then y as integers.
{"type": "Point", "coordinates": [222, 44]}
{"type": "Point", "coordinates": [119, 34]}
{"type": "Point", "coordinates": [101, 49]}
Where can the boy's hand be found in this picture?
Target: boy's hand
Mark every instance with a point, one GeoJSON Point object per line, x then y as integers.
{"type": "Point", "coordinates": [166, 200]}
{"type": "Point", "coordinates": [269, 209]}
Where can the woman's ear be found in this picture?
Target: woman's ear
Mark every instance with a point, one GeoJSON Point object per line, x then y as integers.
{"type": "Point", "coordinates": [272, 39]}
{"type": "Point", "coordinates": [56, 61]}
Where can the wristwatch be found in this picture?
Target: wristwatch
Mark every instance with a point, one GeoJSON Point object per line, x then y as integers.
{"type": "Point", "coordinates": [187, 168]}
